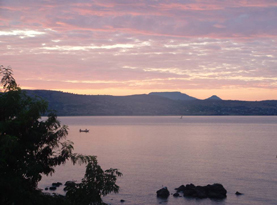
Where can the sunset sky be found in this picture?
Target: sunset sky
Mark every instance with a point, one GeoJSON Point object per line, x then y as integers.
{"type": "Point", "coordinates": [122, 47]}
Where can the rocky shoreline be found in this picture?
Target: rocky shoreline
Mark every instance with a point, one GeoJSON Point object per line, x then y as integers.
{"type": "Point", "coordinates": [214, 191]}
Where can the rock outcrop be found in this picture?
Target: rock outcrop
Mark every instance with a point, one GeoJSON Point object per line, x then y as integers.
{"type": "Point", "coordinates": [163, 193]}
{"type": "Point", "coordinates": [57, 184]}
{"type": "Point", "coordinates": [210, 191]}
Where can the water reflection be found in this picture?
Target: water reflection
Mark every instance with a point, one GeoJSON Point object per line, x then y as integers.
{"type": "Point", "coordinates": [238, 152]}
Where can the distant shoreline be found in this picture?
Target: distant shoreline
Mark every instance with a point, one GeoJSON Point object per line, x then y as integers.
{"type": "Point", "coordinates": [163, 115]}
{"type": "Point", "coordinates": [179, 104]}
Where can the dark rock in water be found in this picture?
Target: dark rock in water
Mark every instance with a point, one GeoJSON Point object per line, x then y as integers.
{"type": "Point", "coordinates": [46, 188]}
{"type": "Point", "coordinates": [53, 188]}
{"type": "Point", "coordinates": [190, 186]}
{"type": "Point", "coordinates": [176, 194]}
{"type": "Point", "coordinates": [122, 200]}
{"type": "Point", "coordinates": [201, 192]}
{"type": "Point", "coordinates": [216, 191]}
{"type": "Point", "coordinates": [210, 191]}
{"type": "Point", "coordinates": [190, 193]}
{"type": "Point", "coordinates": [57, 184]}
{"type": "Point", "coordinates": [238, 193]}
{"type": "Point", "coordinates": [180, 188]}
{"type": "Point", "coordinates": [163, 193]}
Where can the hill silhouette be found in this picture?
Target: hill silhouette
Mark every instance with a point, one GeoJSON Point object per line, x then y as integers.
{"type": "Point", "coordinates": [173, 95]}
{"type": "Point", "coordinates": [214, 97]}
{"type": "Point", "coordinates": [67, 104]}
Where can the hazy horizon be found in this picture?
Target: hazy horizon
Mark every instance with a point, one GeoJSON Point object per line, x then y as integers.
{"type": "Point", "coordinates": [147, 94]}
{"type": "Point", "coordinates": [120, 47]}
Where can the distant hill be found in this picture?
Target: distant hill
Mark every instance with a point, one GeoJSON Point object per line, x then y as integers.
{"type": "Point", "coordinates": [73, 104]}
{"type": "Point", "coordinates": [214, 97]}
{"type": "Point", "coordinates": [67, 104]}
{"type": "Point", "coordinates": [173, 95]}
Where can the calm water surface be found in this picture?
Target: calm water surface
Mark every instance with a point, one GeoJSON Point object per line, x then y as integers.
{"type": "Point", "coordinates": [151, 152]}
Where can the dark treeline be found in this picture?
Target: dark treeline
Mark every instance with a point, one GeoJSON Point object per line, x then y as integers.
{"type": "Point", "coordinates": [67, 104]}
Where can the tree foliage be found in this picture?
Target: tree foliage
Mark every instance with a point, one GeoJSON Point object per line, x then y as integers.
{"type": "Point", "coordinates": [30, 147]}
{"type": "Point", "coordinates": [96, 183]}
{"type": "Point", "coordinates": [8, 80]}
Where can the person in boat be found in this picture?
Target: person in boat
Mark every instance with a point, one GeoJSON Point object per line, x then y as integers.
{"type": "Point", "coordinates": [86, 130]}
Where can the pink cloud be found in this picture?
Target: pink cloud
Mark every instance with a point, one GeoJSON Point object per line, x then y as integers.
{"type": "Point", "coordinates": [162, 44]}
{"type": "Point", "coordinates": [215, 19]}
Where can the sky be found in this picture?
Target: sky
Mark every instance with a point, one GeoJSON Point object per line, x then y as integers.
{"type": "Point", "coordinates": [226, 48]}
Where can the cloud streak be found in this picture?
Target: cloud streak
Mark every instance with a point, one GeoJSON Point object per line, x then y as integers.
{"type": "Point", "coordinates": [125, 47]}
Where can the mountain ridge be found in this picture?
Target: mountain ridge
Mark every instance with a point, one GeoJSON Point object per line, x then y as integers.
{"type": "Point", "coordinates": [214, 97]}
{"type": "Point", "coordinates": [67, 104]}
{"type": "Point", "coordinates": [174, 95]}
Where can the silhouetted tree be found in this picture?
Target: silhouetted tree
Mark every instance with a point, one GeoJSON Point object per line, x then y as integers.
{"type": "Point", "coordinates": [30, 147]}
{"type": "Point", "coordinates": [95, 184]}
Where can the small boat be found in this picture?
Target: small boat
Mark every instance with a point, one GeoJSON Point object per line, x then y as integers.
{"type": "Point", "coordinates": [86, 130]}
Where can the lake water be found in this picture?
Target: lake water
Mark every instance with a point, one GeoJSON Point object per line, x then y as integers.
{"type": "Point", "coordinates": [151, 152]}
